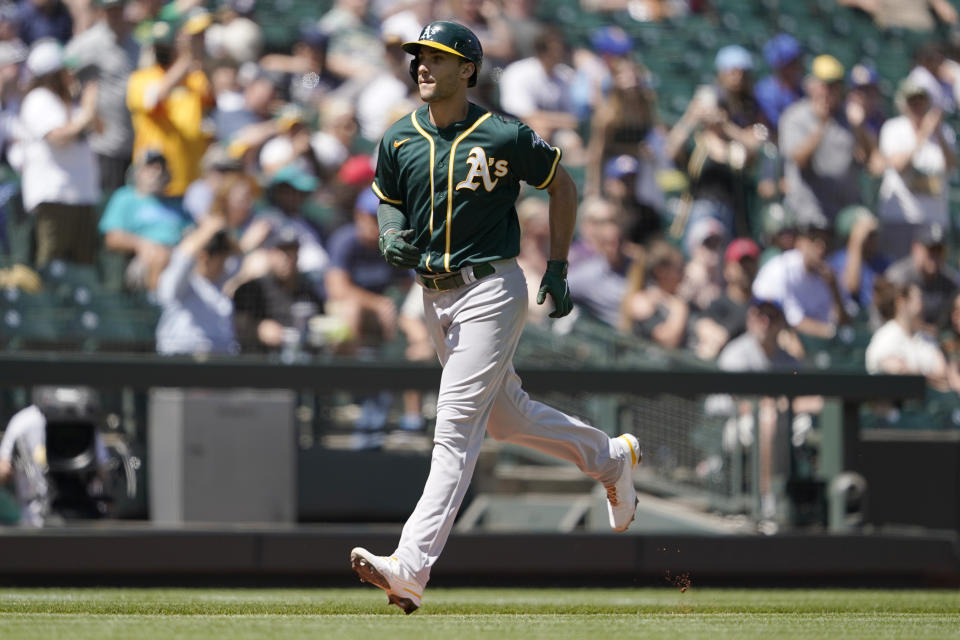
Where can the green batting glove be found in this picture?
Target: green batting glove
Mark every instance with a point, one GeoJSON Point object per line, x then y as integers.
{"type": "Point", "coordinates": [555, 283]}
{"type": "Point", "coordinates": [397, 251]}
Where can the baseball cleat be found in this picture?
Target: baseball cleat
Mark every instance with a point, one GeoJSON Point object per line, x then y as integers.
{"type": "Point", "coordinates": [386, 573]}
{"type": "Point", "coordinates": [622, 495]}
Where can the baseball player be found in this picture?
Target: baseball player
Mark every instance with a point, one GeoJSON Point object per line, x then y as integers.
{"type": "Point", "coordinates": [447, 177]}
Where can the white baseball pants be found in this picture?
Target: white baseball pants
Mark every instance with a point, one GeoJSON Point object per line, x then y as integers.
{"type": "Point", "coordinates": [475, 329]}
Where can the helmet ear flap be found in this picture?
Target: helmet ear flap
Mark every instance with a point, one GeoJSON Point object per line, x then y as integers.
{"type": "Point", "coordinates": [414, 66]}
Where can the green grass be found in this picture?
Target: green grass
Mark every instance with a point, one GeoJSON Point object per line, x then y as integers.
{"type": "Point", "coordinates": [463, 614]}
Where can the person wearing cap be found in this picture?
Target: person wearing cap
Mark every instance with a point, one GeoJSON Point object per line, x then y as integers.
{"type": "Point", "coordinates": [803, 284]}
{"type": "Point", "coordinates": [217, 163]}
{"type": "Point", "coordinates": [287, 193]}
{"type": "Point", "coordinates": [259, 97]}
{"type": "Point", "coordinates": [60, 179]}
{"type": "Point", "coordinates": [538, 90]}
{"type": "Point", "coordinates": [717, 138]}
{"type": "Point", "coordinates": [824, 152]}
{"type": "Point", "coordinates": [858, 262]}
{"type": "Point", "coordinates": [864, 91]}
{"type": "Point", "coordinates": [266, 308]}
{"type": "Point", "coordinates": [920, 153]}
{"type": "Point", "coordinates": [726, 317]}
{"type": "Point", "coordinates": [784, 86]}
{"type": "Point", "coordinates": [108, 52]}
{"type": "Point", "coordinates": [630, 183]}
{"type": "Point", "coordinates": [925, 266]}
{"type": "Point", "coordinates": [169, 99]}
{"type": "Point", "coordinates": [196, 315]}
{"type": "Point", "coordinates": [141, 225]}
{"type": "Point", "coordinates": [779, 231]}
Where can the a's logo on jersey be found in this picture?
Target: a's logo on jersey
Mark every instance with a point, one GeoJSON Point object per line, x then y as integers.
{"type": "Point", "coordinates": [480, 168]}
{"type": "Point", "coordinates": [538, 141]}
{"type": "Point", "coordinates": [397, 143]}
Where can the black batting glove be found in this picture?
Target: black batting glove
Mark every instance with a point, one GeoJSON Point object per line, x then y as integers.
{"type": "Point", "coordinates": [555, 283]}
{"type": "Point", "coordinates": [397, 251]}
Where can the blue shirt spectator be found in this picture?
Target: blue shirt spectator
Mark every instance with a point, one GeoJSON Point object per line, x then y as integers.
{"type": "Point", "coordinates": [44, 19]}
{"type": "Point", "coordinates": [144, 214]}
{"type": "Point", "coordinates": [776, 92]}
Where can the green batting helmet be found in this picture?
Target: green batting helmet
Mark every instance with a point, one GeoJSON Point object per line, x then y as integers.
{"type": "Point", "coordinates": [450, 37]}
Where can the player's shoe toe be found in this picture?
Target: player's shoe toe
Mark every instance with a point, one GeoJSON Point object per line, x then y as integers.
{"type": "Point", "coordinates": [621, 494]}
{"type": "Point", "coordinates": [387, 573]}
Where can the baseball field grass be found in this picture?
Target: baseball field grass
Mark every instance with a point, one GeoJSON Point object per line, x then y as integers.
{"type": "Point", "coordinates": [463, 614]}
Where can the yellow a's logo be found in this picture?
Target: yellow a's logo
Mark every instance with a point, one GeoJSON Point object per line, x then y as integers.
{"type": "Point", "coordinates": [479, 168]}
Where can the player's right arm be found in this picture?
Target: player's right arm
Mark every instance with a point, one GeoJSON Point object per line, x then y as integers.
{"type": "Point", "coordinates": [395, 229]}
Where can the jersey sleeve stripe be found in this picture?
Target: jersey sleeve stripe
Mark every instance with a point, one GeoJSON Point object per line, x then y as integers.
{"type": "Point", "coordinates": [380, 195]}
{"type": "Point", "coordinates": [553, 170]}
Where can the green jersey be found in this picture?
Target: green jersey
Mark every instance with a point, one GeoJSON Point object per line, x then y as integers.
{"type": "Point", "coordinates": [458, 185]}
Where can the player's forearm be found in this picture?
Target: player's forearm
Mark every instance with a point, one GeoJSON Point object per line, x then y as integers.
{"type": "Point", "coordinates": [563, 213]}
{"type": "Point", "coordinates": [389, 217]}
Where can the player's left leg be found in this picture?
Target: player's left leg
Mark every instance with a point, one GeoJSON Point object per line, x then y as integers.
{"type": "Point", "coordinates": [518, 419]}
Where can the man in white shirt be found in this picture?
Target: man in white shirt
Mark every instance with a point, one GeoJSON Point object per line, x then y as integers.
{"type": "Point", "coordinates": [801, 281]}
{"type": "Point", "coordinates": [538, 90]}
{"type": "Point", "coordinates": [900, 347]}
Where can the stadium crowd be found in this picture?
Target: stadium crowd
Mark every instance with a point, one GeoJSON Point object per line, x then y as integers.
{"type": "Point", "coordinates": [793, 202]}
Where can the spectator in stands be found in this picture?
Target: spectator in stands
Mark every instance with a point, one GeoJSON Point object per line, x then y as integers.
{"type": "Point", "coordinates": [273, 310]}
{"type": "Point", "coordinates": [217, 164]}
{"type": "Point", "coordinates": [858, 262]}
{"type": "Point", "coordinates": [802, 283]}
{"type": "Point", "coordinates": [908, 14]}
{"type": "Point", "coordinates": [15, 227]}
{"type": "Point", "coordinates": [920, 154]}
{"type": "Point", "coordinates": [823, 150]}
{"type": "Point", "coordinates": [308, 75]}
{"type": "Point", "coordinates": [779, 228]}
{"type": "Point", "coordinates": [757, 348]}
{"type": "Point", "coordinates": [625, 123]}
{"type": "Point", "coordinates": [333, 143]}
{"type": "Point", "coordinates": [259, 103]}
{"type": "Point", "coordinates": [703, 274]}
{"type": "Point", "coordinates": [864, 90]}
{"type": "Point", "coordinates": [950, 342]}
{"type": "Point", "coordinates": [534, 216]}
{"type": "Point", "coordinates": [486, 20]}
{"type": "Point", "coordinates": [651, 307]}
{"type": "Point", "coordinates": [386, 98]}
{"type": "Point", "coordinates": [354, 52]}
{"type": "Point", "coordinates": [598, 282]}
{"type": "Point", "coordinates": [784, 86]}
{"type": "Point", "coordinates": [108, 52]}
{"type": "Point", "coordinates": [285, 140]}
{"type": "Point", "coordinates": [287, 193]}
{"type": "Point", "coordinates": [538, 90]}
{"type": "Point", "coordinates": [925, 267]}
{"type": "Point", "coordinates": [139, 223]}
{"type": "Point", "coordinates": [358, 282]}
{"type": "Point", "coordinates": [39, 19]}
{"type": "Point", "coordinates": [934, 73]}
{"type": "Point", "coordinates": [726, 317]}
{"type": "Point", "coordinates": [523, 22]}
{"type": "Point", "coordinates": [717, 138]}
{"type": "Point", "coordinates": [610, 51]}
{"type": "Point", "coordinates": [59, 177]}
{"type": "Point", "coordinates": [168, 100]}
{"type": "Point", "coordinates": [902, 346]}
{"type": "Point", "coordinates": [631, 185]}
{"type": "Point", "coordinates": [197, 316]}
